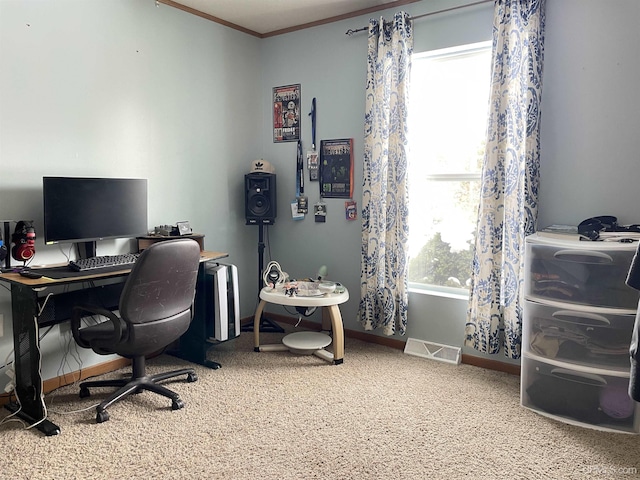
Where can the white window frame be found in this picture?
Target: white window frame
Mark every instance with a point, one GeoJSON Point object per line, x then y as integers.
{"type": "Point", "coordinates": [439, 290]}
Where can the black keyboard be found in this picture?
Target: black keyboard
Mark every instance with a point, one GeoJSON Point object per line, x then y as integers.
{"type": "Point", "coordinates": [123, 260]}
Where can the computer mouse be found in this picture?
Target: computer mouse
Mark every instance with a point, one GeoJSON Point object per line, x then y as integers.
{"type": "Point", "coordinates": [29, 274]}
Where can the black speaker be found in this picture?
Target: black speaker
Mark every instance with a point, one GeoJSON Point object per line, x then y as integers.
{"type": "Point", "coordinates": [260, 198]}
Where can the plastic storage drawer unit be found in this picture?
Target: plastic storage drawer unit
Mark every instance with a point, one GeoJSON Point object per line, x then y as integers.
{"type": "Point", "coordinates": [577, 322]}
{"type": "Point", "coordinates": [585, 273]}
{"type": "Point", "coordinates": [584, 396]}
{"type": "Point", "coordinates": [579, 335]}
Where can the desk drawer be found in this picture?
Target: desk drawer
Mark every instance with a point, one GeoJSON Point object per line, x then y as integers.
{"type": "Point", "coordinates": [586, 396]}
{"type": "Point", "coordinates": [574, 334]}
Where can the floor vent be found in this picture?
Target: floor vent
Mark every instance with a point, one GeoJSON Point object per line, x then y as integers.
{"type": "Point", "coordinates": [434, 351]}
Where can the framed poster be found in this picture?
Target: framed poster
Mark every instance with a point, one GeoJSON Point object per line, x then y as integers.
{"type": "Point", "coordinates": [336, 168]}
{"type": "Point", "coordinates": [286, 113]}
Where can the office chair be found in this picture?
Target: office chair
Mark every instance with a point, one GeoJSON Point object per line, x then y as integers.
{"type": "Point", "coordinates": [156, 308]}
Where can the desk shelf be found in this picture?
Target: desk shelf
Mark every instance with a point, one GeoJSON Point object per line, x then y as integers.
{"type": "Point", "coordinates": [146, 241]}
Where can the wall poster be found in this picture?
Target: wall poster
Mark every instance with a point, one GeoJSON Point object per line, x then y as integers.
{"type": "Point", "coordinates": [336, 168]}
{"type": "Point", "coordinates": [286, 113]}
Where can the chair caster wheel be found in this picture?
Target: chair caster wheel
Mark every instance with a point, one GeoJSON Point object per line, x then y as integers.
{"type": "Point", "coordinates": [192, 377]}
{"type": "Point", "coordinates": [102, 416]}
{"type": "Point", "coordinates": [84, 392]}
{"type": "Point", "coordinates": [177, 404]}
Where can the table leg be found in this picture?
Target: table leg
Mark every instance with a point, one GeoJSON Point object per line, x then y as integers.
{"type": "Point", "coordinates": [256, 326]}
{"type": "Point", "coordinates": [338, 334]}
{"type": "Point", "coordinates": [326, 320]}
{"type": "Point", "coordinates": [28, 378]}
{"type": "Point", "coordinates": [194, 344]}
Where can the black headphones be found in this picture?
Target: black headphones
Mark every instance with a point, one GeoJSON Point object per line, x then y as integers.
{"type": "Point", "coordinates": [24, 241]}
{"type": "Point", "coordinates": [591, 227]}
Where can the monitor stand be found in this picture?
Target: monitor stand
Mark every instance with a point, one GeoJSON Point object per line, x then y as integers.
{"type": "Point", "coordinates": [86, 249]}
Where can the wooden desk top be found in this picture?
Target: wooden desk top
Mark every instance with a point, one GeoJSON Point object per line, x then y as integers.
{"type": "Point", "coordinates": [205, 256]}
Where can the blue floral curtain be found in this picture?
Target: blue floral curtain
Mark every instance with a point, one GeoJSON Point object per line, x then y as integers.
{"type": "Point", "coordinates": [510, 178]}
{"type": "Point", "coordinates": [383, 277]}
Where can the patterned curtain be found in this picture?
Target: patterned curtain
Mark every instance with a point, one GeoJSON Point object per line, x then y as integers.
{"type": "Point", "coordinates": [383, 277]}
{"type": "Point", "coordinates": [510, 178]}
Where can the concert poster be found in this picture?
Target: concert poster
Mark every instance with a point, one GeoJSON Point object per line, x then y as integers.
{"type": "Point", "coordinates": [286, 113]}
{"type": "Point", "coordinates": [336, 168]}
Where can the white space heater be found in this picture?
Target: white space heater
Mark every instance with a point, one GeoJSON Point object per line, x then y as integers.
{"type": "Point", "coordinates": [226, 301]}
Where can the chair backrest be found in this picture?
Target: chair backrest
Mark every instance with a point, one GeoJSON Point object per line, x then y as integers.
{"type": "Point", "coordinates": [162, 283]}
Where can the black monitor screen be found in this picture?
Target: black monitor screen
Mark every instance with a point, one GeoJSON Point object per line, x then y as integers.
{"type": "Point", "coordinates": [88, 209]}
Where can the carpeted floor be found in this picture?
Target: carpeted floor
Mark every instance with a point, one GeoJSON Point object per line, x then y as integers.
{"type": "Point", "coordinates": [276, 415]}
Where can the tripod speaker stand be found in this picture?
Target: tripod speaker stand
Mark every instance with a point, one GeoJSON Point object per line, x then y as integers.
{"type": "Point", "coordinates": [266, 324]}
{"type": "Point", "coordinates": [260, 210]}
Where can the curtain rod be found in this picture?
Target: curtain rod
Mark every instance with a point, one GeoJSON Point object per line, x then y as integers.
{"type": "Point", "coordinates": [351, 31]}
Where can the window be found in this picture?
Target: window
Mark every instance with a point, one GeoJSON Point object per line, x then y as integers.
{"type": "Point", "coordinates": [448, 111]}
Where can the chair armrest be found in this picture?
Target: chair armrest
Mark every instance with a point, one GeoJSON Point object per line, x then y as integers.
{"type": "Point", "coordinates": [80, 311]}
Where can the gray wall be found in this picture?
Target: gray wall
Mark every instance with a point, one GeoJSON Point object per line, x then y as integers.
{"type": "Point", "coordinates": [589, 140]}
{"type": "Point", "coordinates": [591, 112]}
{"type": "Point", "coordinates": [331, 66]}
{"type": "Point", "coordinates": [125, 88]}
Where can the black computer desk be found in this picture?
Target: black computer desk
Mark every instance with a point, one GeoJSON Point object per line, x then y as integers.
{"type": "Point", "coordinates": [28, 297]}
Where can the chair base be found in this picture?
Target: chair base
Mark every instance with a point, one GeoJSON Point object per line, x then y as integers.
{"type": "Point", "coordinates": [138, 382]}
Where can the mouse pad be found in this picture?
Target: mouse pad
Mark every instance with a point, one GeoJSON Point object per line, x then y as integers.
{"type": "Point", "coordinates": [58, 273]}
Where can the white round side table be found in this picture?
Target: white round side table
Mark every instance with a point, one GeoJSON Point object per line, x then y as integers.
{"type": "Point", "coordinates": [330, 301]}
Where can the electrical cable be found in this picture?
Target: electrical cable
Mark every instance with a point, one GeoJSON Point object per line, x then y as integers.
{"type": "Point", "coordinates": [61, 370]}
{"type": "Point", "coordinates": [289, 311]}
{"type": "Point", "coordinates": [71, 412]}
{"type": "Point", "coordinates": [45, 333]}
{"type": "Point", "coordinates": [46, 299]}
{"type": "Point", "coordinates": [65, 362]}
{"type": "Point", "coordinates": [68, 254]}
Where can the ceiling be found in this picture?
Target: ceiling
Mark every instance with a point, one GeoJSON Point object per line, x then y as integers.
{"type": "Point", "coordinates": [265, 18]}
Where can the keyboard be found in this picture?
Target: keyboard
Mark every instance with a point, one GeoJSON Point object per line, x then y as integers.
{"type": "Point", "coordinates": [124, 260]}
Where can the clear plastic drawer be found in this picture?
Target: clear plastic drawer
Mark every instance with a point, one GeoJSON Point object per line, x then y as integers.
{"type": "Point", "coordinates": [585, 273]}
{"type": "Point", "coordinates": [578, 335]}
{"type": "Point", "coordinates": [588, 397]}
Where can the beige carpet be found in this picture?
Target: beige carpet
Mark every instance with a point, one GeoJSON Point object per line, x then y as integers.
{"type": "Point", "coordinates": [380, 415]}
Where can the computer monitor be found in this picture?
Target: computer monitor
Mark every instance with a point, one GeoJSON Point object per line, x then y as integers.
{"type": "Point", "coordinates": [84, 210]}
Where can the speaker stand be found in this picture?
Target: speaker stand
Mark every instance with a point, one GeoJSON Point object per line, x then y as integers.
{"type": "Point", "coordinates": [266, 324]}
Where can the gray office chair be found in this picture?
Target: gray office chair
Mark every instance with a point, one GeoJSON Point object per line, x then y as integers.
{"type": "Point", "coordinates": [156, 308]}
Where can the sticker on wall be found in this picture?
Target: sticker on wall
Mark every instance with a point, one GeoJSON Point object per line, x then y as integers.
{"type": "Point", "coordinates": [320, 212]}
{"type": "Point", "coordinates": [351, 210]}
{"type": "Point", "coordinates": [312, 165]}
{"type": "Point", "coordinates": [295, 213]}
